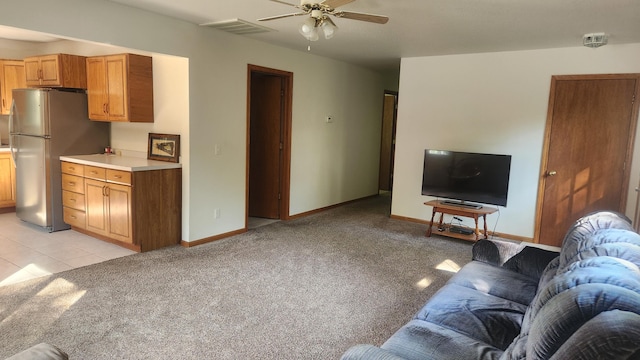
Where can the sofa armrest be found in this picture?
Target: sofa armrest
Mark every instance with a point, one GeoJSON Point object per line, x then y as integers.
{"type": "Point", "coordinates": [368, 352]}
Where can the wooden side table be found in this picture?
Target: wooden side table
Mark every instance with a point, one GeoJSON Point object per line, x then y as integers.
{"type": "Point", "coordinates": [445, 229]}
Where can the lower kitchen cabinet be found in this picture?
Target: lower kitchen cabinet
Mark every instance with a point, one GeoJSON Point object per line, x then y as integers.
{"type": "Point", "coordinates": [108, 210]}
{"type": "Point", "coordinates": [7, 181]}
{"type": "Point", "coordinates": [140, 210]}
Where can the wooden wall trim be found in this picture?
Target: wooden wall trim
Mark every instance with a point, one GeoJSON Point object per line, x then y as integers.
{"type": "Point", "coordinates": [210, 239]}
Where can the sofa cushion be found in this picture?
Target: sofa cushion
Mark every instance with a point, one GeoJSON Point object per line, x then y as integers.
{"type": "Point", "coordinates": [496, 281]}
{"type": "Point", "coordinates": [420, 340]}
{"type": "Point", "coordinates": [615, 333]}
{"type": "Point", "coordinates": [620, 243]}
{"type": "Point", "coordinates": [565, 313]}
{"type": "Point", "coordinates": [587, 225]}
{"type": "Point", "coordinates": [489, 319]}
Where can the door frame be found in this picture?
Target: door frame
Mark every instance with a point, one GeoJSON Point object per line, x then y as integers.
{"type": "Point", "coordinates": [547, 139]}
{"type": "Point", "coordinates": [285, 169]}
{"type": "Point", "coordinates": [394, 122]}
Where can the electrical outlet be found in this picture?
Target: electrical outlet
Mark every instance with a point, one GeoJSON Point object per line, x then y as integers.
{"type": "Point", "coordinates": [216, 213]}
{"type": "Point", "coordinates": [216, 149]}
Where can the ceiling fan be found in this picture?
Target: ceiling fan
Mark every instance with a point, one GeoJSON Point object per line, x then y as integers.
{"type": "Point", "coordinates": [319, 17]}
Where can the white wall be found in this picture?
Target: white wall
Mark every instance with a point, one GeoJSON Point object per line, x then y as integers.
{"type": "Point", "coordinates": [494, 103]}
{"type": "Point", "coordinates": [344, 155]}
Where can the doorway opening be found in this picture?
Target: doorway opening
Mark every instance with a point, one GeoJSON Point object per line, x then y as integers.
{"type": "Point", "coordinates": [388, 141]}
{"type": "Point", "coordinates": [269, 103]}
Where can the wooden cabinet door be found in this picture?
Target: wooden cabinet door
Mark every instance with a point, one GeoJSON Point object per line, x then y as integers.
{"type": "Point", "coordinates": [119, 217]}
{"type": "Point", "coordinates": [117, 87]}
{"type": "Point", "coordinates": [96, 206]}
{"type": "Point", "coordinates": [13, 77]}
{"type": "Point", "coordinates": [32, 71]}
{"type": "Point", "coordinates": [97, 88]}
{"type": "Point", "coordinates": [50, 70]}
{"type": "Point", "coordinates": [7, 181]}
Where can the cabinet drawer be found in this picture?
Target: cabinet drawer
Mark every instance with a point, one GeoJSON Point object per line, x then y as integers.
{"type": "Point", "coordinates": [72, 169]}
{"type": "Point", "coordinates": [118, 176]}
{"type": "Point", "coordinates": [74, 217]}
{"type": "Point", "coordinates": [73, 183]}
{"type": "Point", "coordinates": [73, 200]}
{"type": "Point", "coordinates": [93, 172]}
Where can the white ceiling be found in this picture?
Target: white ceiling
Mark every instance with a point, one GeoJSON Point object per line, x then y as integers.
{"type": "Point", "coordinates": [425, 27]}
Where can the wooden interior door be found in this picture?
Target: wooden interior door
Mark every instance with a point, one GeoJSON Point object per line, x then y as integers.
{"type": "Point", "coordinates": [265, 146]}
{"type": "Point", "coordinates": [588, 146]}
{"type": "Point", "coordinates": [387, 143]}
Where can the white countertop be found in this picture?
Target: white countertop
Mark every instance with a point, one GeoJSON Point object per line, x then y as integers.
{"type": "Point", "coordinates": [124, 163]}
{"type": "Point", "coordinates": [5, 149]}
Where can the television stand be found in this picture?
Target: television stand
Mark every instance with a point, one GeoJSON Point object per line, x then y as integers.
{"type": "Point", "coordinates": [461, 204]}
{"type": "Point", "coordinates": [456, 231]}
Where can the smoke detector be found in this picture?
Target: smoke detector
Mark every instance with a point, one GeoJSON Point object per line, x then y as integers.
{"type": "Point", "coordinates": [594, 40]}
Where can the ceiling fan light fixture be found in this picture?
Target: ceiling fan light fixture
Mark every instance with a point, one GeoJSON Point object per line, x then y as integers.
{"type": "Point", "coordinates": [329, 29]}
{"type": "Point", "coordinates": [309, 29]}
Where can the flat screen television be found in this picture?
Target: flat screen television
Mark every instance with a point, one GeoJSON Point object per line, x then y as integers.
{"type": "Point", "coordinates": [464, 176]}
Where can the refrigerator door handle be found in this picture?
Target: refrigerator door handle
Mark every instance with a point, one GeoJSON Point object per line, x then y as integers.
{"type": "Point", "coordinates": [11, 135]}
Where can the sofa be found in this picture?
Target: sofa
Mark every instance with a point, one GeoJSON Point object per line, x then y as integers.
{"type": "Point", "coordinates": [514, 301]}
{"type": "Point", "coordinates": [41, 351]}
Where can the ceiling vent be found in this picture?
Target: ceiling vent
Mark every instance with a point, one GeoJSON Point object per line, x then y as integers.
{"type": "Point", "coordinates": [238, 27]}
{"type": "Point", "coordinates": [594, 40]}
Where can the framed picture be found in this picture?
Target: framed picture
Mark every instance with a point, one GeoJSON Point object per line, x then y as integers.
{"type": "Point", "coordinates": [164, 147]}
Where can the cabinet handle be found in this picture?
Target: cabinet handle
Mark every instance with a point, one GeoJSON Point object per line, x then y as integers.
{"type": "Point", "coordinates": [73, 217]}
{"type": "Point", "coordinates": [71, 183]}
{"type": "Point", "coordinates": [71, 168]}
{"type": "Point", "coordinates": [117, 176]}
{"type": "Point", "coordinates": [2, 102]}
{"type": "Point", "coordinates": [74, 200]}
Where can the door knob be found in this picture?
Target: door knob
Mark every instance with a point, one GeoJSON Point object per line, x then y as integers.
{"type": "Point", "coordinates": [552, 173]}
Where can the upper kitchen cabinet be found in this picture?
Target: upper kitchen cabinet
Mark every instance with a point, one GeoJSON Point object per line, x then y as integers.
{"type": "Point", "coordinates": [11, 77]}
{"type": "Point", "coordinates": [57, 70]}
{"type": "Point", "coordinates": [120, 88]}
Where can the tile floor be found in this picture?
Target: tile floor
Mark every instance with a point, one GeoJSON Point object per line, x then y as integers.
{"type": "Point", "coordinates": [28, 252]}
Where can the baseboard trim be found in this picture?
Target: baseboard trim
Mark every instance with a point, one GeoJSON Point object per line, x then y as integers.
{"type": "Point", "coordinates": [6, 210]}
{"type": "Point", "coordinates": [132, 247]}
{"type": "Point", "coordinates": [211, 239]}
{"type": "Point", "coordinates": [428, 223]}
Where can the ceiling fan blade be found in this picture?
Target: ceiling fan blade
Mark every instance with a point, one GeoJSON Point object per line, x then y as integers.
{"type": "Point", "coordinates": [335, 3]}
{"type": "Point", "coordinates": [281, 16]}
{"type": "Point", "coordinates": [328, 19]}
{"type": "Point", "coordinates": [286, 3]}
{"type": "Point", "coordinates": [378, 19]}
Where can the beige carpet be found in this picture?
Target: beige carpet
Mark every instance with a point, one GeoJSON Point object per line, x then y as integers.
{"type": "Point", "coordinates": [303, 289]}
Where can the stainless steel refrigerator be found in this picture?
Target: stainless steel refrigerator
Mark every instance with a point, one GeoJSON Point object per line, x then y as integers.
{"type": "Point", "coordinates": [45, 124]}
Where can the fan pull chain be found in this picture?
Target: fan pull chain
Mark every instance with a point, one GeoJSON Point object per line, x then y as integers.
{"type": "Point", "coordinates": [309, 46]}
